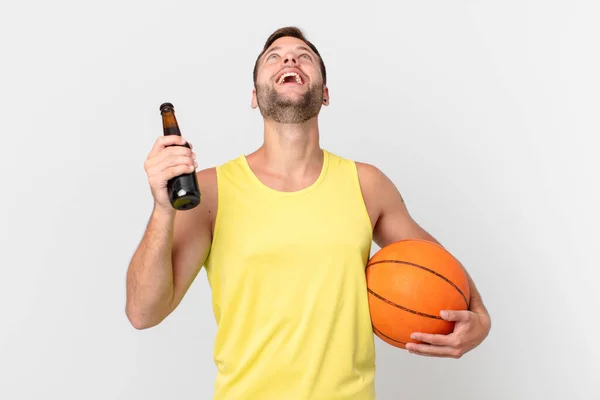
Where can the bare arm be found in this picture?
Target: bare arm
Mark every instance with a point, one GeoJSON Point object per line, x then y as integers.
{"type": "Point", "coordinates": [170, 255]}
{"type": "Point", "coordinates": [394, 222]}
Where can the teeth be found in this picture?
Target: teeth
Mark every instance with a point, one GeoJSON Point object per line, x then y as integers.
{"type": "Point", "coordinates": [282, 78]}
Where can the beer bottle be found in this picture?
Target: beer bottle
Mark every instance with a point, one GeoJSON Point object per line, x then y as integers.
{"type": "Point", "coordinates": [183, 189]}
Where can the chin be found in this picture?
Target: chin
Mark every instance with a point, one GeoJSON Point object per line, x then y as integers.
{"type": "Point", "coordinates": [291, 99]}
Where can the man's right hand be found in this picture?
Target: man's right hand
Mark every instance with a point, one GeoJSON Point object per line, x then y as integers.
{"type": "Point", "coordinates": [168, 158]}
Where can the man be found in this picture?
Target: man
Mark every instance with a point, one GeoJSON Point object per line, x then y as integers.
{"type": "Point", "coordinates": [284, 234]}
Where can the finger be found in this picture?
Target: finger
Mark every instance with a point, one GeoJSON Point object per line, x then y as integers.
{"type": "Point", "coordinates": [156, 171]}
{"type": "Point", "coordinates": [174, 171]}
{"type": "Point", "coordinates": [175, 151]}
{"type": "Point", "coordinates": [455, 315]}
{"type": "Point", "coordinates": [178, 170]}
{"type": "Point", "coordinates": [165, 141]}
{"type": "Point", "coordinates": [430, 355]}
{"type": "Point", "coordinates": [169, 162]}
{"type": "Point", "coordinates": [438, 340]}
{"type": "Point", "coordinates": [169, 152]}
{"type": "Point", "coordinates": [172, 161]}
{"type": "Point", "coordinates": [432, 351]}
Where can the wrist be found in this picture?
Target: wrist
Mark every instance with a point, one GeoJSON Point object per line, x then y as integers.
{"type": "Point", "coordinates": [161, 213]}
{"type": "Point", "coordinates": [476, 305]}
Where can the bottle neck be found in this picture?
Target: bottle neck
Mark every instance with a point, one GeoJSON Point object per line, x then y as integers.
{"type": "Point", "coordinates": [171, 130]}
{"type": "Point", "coordinates": [170, 126]}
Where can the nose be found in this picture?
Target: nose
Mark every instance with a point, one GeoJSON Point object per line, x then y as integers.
{"type": "Point", "coordinates": [289, 58]}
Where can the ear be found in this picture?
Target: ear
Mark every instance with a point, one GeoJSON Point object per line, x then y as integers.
{"type": "Point", "coordinates": [326, 98]}
{"type": "Point", "coordinates": [254, 103]}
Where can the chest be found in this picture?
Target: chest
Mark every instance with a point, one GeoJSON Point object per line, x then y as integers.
{"type": "Point", "coordinates": [302, 216]}
{"type": "Point", "coordinates": [285, 225]}
{"type": "Point", "coordinates": [289, 245]}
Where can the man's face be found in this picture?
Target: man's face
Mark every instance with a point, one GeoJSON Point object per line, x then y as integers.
{"type": "Point", "coordinates": [289, 85]}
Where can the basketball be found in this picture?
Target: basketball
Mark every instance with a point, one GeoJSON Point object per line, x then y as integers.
{"type": "Point", "coordinates": [409, 282]}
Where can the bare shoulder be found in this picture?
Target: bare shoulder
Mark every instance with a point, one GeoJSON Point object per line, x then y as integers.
{"type": "Point", "coordinates": [207, 177]}
{"type": "Point", "coordinates": [376, 188]}
{"type": "Point", "coordinates": [207, 183]}
{"type": "Point", "coordinates": [199, 220]}
{"type": "Point", "coordinates": [373, 181]}
{"type": "Point", "coordinates": [369, 173]}
{"type": "Point", "coordinates": [385, 204]}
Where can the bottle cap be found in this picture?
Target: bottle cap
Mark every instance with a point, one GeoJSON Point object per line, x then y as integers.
{"type": "Point", "coordinates": [165, 106]}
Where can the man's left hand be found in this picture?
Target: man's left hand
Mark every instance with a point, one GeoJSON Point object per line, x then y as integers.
{"type": "Point", "coordinates": [470, 330]}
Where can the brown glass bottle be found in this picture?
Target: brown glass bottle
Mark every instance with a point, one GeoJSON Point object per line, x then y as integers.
{"type": "Point", "coordinates": [183, 190]}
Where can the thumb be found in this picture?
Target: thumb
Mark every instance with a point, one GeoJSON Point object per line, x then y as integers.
{"type": "Point", "coordinates": [454, 315]}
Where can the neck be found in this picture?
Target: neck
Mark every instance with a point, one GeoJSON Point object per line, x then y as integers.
{"type": "Point", "coordinates": [291, 149]}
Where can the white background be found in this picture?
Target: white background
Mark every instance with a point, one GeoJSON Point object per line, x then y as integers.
{"type": "Point", "coordinates": [484, 113]}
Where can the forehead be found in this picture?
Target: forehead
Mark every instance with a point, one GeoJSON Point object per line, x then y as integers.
{"type": "Point", "coordinates": [288, 43]}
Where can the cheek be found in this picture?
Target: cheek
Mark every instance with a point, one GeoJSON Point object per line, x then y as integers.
{"type": "Point", "coordinates": [266, 75]}
{"type": "Point", "coordinates": [314, 73]}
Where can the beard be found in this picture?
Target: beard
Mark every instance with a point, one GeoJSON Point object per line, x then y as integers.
{"type": "Point", "coordinates": [277, 107]}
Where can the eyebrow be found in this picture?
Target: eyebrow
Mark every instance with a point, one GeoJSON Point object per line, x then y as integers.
{"type": "Point", "coordinates": [279, 48]}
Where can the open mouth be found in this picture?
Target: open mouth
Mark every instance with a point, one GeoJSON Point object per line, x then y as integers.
{"type": "Point", "coordinates": [290, 78]}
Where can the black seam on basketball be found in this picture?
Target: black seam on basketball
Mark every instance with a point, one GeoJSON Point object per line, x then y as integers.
{"type": "Point", "coordinates": [402, 307]}
{"type": "Point", "coordinates": [383, 334]}
{"type": "Point", "coordinates": [424, 269]}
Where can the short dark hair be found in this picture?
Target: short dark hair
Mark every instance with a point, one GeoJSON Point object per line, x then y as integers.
{"type": "Point", "coordinates": [295, 32]}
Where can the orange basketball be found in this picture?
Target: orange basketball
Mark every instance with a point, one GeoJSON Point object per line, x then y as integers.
{"type": "Point", "coordinates": [409, 283]}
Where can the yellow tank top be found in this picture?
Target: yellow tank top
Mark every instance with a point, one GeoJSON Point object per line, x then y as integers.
{"type": "Point", "coordinates": [287, 273]}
